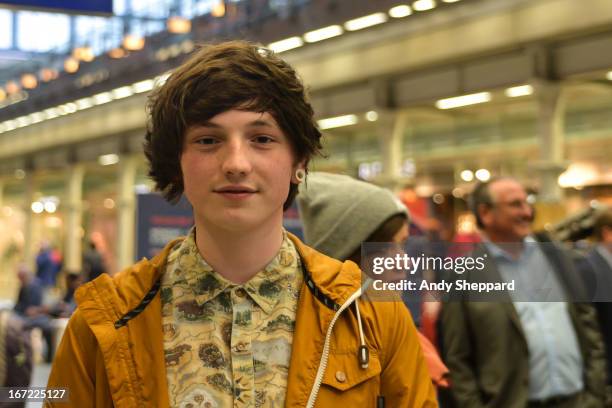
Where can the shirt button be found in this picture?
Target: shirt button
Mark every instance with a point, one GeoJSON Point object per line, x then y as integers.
{"type": "Point", "coordinates": [240, 347]}
{"type": "Point", "coordinates": [340, 376]}
{"type": "Point", "coordinates": [240, 292]}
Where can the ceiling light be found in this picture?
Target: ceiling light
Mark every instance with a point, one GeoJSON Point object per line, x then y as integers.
{"type": "Point", "coordinates": [132, 42]}
{"type": "Point", "coordinates": [83, 53]}
{"type": "Point", "coordinates": [365, 21]}
{"type": "Point", "coordinates": [464, 100]}
{"type": "Point", "coordinates": [400, 11]}
{"type": "Point", "coordinates": [37, 117]}
{"type": "Point", "coordinates": [108, 159]}
{"type": "Point", "coordinates": [337, 121]}
{"type": "Point", "coordinates": [84, 103]}
{"type": "Point", "coordinates": [23, 121]}
{"type": "Point", "coordinates": [117, 53]}
{"type": "Point", "coordinates": [609, 75]}
{"type": "Point", "coordinates": [423, 5]}
{"type": "Point", "coordinates": [122, 92]}
{"type": "Point", "coordinates": [522, 90]}
{"type": "Point", "coordinates": [37, 207]}
{"type": "Point", "coordinates": [323, 33]}
{"type": "Point", "coordinates": [29, 81]}
{"type": "Point", "coordinates": [10, 125]}
{"type": "Point", "coordinates": [483, 174]}
{"type": "Point", "coordinates": [51, 113]}
{"type": "Point", "coordinates": [218, 9]}
{"type": "Point", "coordinates": [109, 203]}
{"type": "Point", "coordinates": [50, 207]}
{"type": "Point", "coordinates": [161, 79]}
{"type": "Point", "coordinates": [71, 65]}
{"type": "Point", "coordinates": [12, 87]}
{"type": "Point", "coordinates": [286, 44]}
{"type": "Point", "coordinates": [371, 116]}
{"type": "Point", "coordinates": [187, 46]}
{"type": "Point", "coordinates": [102, 98]}
{"type": "Point", "coordinates": [143, 86]}
{"type": "Point", "coordinates": [450, 1]}
{"type": "Point", "coordinates": [48, 74]}
{"type": "Point", "coordinates": [178, 25]}
{"type": "Point", "coordinates": [467, 175]}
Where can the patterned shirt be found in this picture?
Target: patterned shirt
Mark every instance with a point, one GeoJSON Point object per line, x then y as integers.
{"type": "Point", "coordinates": [225, 344]}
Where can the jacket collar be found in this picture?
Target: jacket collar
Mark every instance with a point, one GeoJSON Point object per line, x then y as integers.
{"type": "Point", "coordinates": [135, 362]}
{"type": "Point", "coordinates": [332, 278]}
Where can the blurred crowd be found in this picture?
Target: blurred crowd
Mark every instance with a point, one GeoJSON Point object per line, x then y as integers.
{"type": "Point", "coordinates": [31, 330]}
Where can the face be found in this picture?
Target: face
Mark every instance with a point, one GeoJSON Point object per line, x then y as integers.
{"type": "Point", "coordinates": [606, 236]}
{"type": "Point", "coordinates": [236, 169]}
{"type": "Point", "coordinates": [510, 217]}
{"type": "Point", "coordinates": [400, 237]}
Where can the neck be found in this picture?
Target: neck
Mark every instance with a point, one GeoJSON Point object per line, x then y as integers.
{"type": "Point", "coordinates": [238, 255]}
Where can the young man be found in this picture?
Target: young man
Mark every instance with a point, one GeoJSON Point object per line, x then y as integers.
{"type": "Point", "coordinates": [239, 313]}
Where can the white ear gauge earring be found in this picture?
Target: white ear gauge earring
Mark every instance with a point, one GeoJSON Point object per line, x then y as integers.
{"type": "Point", "coordinates": [300, 175]}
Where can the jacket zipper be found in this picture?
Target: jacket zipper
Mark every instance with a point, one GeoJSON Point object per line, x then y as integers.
{"type": "Point", "coordinates": [324, 357]}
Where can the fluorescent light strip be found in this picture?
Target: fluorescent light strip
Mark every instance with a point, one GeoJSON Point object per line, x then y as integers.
{"type": "Point", "coordinates": [323, 33]}
{"type": "Point", "coordinates": [464, 100]}
{"type": "Point", "coordinates": [122, 92]}
{"type": "Point", "coordinates": [522, 90]}
{"type": "Point", "coordinates": [143, 86]}
{"type": "Point", "coordinates": [102, 98]}
{"type": "Point", "coordinates": [365, 21]}
{"type": "Point", "coordinates": [84, 103]}
{"type": "Point", "coordinates": [337, 121]}
{"type": "Point", "coordinates": [400, 11]}
{"type": "Point", "coordinates": [108, 159]}
{"type": "Point", "coordinates": [423, 5]}
{"type": "Point", "coordinates": [286, 44]}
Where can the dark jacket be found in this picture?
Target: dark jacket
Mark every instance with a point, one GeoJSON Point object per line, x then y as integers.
{"type": "Point", "coordinates": [486, 350]}
{"type": "Point", "coordinates": [602, 273]}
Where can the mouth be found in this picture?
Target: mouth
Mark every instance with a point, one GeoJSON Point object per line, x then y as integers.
{"type": "Point", "coordinates": [235, 192]}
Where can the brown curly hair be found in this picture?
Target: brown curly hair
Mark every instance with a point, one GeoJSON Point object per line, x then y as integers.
{"type": "Point", "coordinates": [218, 78]}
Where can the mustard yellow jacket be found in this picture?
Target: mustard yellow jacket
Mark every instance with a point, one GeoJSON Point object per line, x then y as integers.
{"type": "Point", "coordinates": [112, 351]}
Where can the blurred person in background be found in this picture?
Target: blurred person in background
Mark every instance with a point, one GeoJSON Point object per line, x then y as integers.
{"type": "Point", "coordinates": [30, 309]}
{"type": "Point", "coordinates": [515, 353]}
{"type": "Point", "coordinates": [48, 264]}
{"type": "Point", "coordinates": [93, 263]}
{"type": "Point", "coordinates": [15, 355]}
{"type": "Point", "coordinates": [30, 292]}
{"type": "Point", "coordinates": [600, 261]}
{"type": "Point", "coordinates": [340, 213]}
{"type": "Point", "coordinates": [239, 313]}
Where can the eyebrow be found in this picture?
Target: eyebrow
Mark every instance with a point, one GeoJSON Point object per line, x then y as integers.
{"type": "Point", "coordinates": [255, 123]}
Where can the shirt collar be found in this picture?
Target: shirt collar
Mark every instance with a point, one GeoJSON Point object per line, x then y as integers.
{"type": "Point", "coordinates": [500, 253]}
{"type": "Point", "coordinates": [265, 288]}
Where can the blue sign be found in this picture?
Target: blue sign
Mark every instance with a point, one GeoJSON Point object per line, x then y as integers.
{"type": "Point", "coordinates": [159, 222]}
{"type": "Point", "coordinates": [63, 6]}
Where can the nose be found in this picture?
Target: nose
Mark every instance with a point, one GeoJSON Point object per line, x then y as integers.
{"type": "Point", "coordinates": [527, 210]}
{"type": "Point", "coordinates": [235, 160]}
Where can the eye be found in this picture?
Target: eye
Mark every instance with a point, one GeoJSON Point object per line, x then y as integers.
{"type": "Point", "coordinates": [206, 140]}
{"type": "Point", "coordinates": [263, 139]}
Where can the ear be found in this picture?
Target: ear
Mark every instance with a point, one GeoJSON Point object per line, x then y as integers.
{"type": "Point", "coordinates": [484, 212]}
{"type": "Point", "coordinates": [301, 165]}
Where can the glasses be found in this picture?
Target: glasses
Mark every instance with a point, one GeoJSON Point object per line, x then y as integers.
{"type": "Point", "coordinates": [515, 204]}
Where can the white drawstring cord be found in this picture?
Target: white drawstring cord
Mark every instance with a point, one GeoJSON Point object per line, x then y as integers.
{"type": "Point", "coordinates": [363, 355]}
